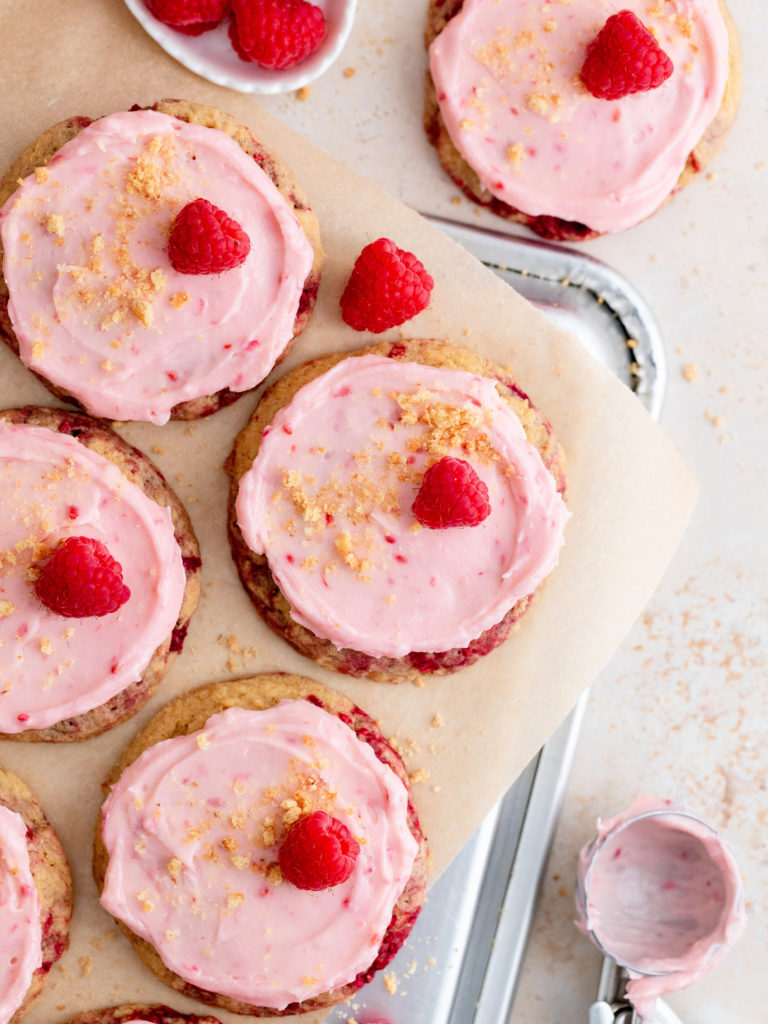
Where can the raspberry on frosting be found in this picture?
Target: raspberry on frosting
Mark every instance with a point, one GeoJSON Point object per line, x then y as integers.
{"type": "Point", "coordinates": [318, 853]}
{"type": "Point", "coordinates": [451, 494]}
{"type": "Point", "coordinates": [624, 58]}
{"type": "Point", "coordinates": [191, 17]}
{"type": "Point", "coordinates": [204, 240]}
{"type": "Point", "coordinates": [387, 286]}
{"type": "Point", "coordinates": [81, 578]}
{"type": "Point", "coordinates": [276, 34]}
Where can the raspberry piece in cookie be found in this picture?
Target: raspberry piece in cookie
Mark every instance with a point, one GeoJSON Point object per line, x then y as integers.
{"type": "Point", "coordinates": [81, 578]}
{"type": "Point", "coordinates": [204, 240]}
{"type": "Point", "coordinates": [387, 286]}
{"type": "Point", "coordinates": [318, 853]}
{"type": "Point", "coordinates": [276, 34]}
{"type": "Point", "coordinates": [451, 494]}
{"type": "Point", "coordinates": [191, 17]}
{"type": "Point", "coordinates": [624, 58]}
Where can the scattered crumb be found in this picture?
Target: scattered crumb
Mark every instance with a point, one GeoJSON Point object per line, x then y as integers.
{"type": "Point", "coordinates": [303, 93]}
{"type": "Point", "coordinates": [349, 72]}
{"type": "Point", "coordinates": [390, 982]}
{"type": "Point", "coordinates": [690, 372]}
{"type": "Point", "coordinates": [455, 200]}
{"type": "Point", "coordinates": [437, 720]}
{"type": "Point", "coordinates": [420, 775]}
{"type": "Point", "coordinates": [86, 966]}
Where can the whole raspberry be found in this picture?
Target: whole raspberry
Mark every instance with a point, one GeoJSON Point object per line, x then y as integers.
{"type": "Point", "coordinates": [192, 17]}
{"type": "Point", "coordinates": [276, 34]}
{"type": "Point", "coordinates": [204, 240]}
{"type": "Point", "coordinates": [81, 578]}
{"type": "Point", "coordinates": [624, 58]}
{"type": "Point", "coordinates": [387, 286]}
{"type": "Point", "coordinates": [451, 494]}
{"type": "Point", "coordinates": [318, 852]}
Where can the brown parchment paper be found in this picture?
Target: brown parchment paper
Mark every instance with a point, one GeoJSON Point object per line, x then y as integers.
{"type": "Point", "coordinates": [629, 493]}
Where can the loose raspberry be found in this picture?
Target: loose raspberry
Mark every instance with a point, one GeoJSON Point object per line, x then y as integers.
{"type": "Point", "coordinates": [204, 240]}
{"type": "Point", "coordinates": [387, 286]}
{"type": "Point", "coordinates": [451, 494]}
{"type": "Point", "coordinates": [276, 34]}
{"type": "Point", "coordinates": [624, 58]}
{"type": "Point", "coordinates": [318, 852]}
{"type": "Point", "coordinates": [192, 17]}
{"type": "Point", "coordinates": [81, 578]}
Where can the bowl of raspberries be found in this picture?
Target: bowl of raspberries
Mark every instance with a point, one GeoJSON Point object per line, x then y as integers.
{"type": "Point", "coordinates": [253, 46]}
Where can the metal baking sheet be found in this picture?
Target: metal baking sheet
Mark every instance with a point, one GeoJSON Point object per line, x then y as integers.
{"type": "Point", "coordinates": [461, 962]}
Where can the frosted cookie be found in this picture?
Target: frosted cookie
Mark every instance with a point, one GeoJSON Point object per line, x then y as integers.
{"type": "Point", "coordinates": [221, 892]}
{"type": "Point", "coordinates": [335, 514]}
{"type": "Point", "coordinates": [84, 646]}
{"type": "Point", "coordinates": [92, 299]}
{"type": "Point", "coordinates": [517, 129]}
{"type": "Point", "coordinates": [36, 903]}
{"type": "Point", "coordinates": [139, 1013]}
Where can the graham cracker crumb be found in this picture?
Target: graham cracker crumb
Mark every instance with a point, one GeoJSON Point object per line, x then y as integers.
{"type": "Point", "coordinates": [86, 966]}
{"type": "Point", "coordinates": [349, 72]}
{"type": "Point", "coordinates": [690, 372]}
{"type": "Point", "coordinates": [234, 900]}
{"type": "Point", "coordinates": [390, 982]}
{"type": "Point", "coordinates": [178, 300]}
{"type": "Point", "coordinates": [437, 720]}
{"type": "Point", "coordinates": [174, 867]}
{"type": "Point", "coordinates": [42, 175]}
{"type": "Point", "coordinates": [6, 608]}
{"type": "Point", "coordinates": [55, 224]}
{"type": "Point", "coordinates": [420, 775]}
{"type": "Point", "coordinates": [203, 742]}
{"type": "Point", "coordinates": [303, 93]}
{"type": "Point", "coordinates": [274, 874]}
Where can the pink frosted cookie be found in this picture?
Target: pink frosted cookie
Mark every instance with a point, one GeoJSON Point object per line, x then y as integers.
{"type": "Point", "coordinates": [518, 130]}
{"type": "Point", "coordinates": [69, 668]}
{"type": "Point", "coordinates": [36, 898]}
{"type": "Point", "coordinates": [93, 300]}
{"type": "Point", "coordinates": [139, 1013]}
{"type": "Point", "coordinates": [204, 888]}
{"type": "Point", "coordinates": [339, 485]}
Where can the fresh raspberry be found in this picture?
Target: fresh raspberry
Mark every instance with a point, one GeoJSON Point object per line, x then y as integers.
{"type": "Point", "coordinates": [318, 852]}
{"type": "Point", "coordinates": [204, 240]}
{"type": "Point", "coordinates": [387, 286]}
{"type": "Point", "coordinates": [192, 17]}
{"type": "Point", "coordinates": [276, 34]}
{"type": "Point", "coordinates": [624, 58]}
{"type": "Point", "coordinates": [81, 578]}
{"type": "Point", "coordinates": [451, 494]}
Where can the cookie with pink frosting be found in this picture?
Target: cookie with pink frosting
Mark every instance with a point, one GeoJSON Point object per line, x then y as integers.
{"type": "Point", "coordinates": [109, 296]}
{"type": "Point", "coordinates": [139, 1013]}
{"type": "Point", "coordinates": [36, 904]}
{"type": "Point", "coordinates": [515, 125]}
{"type": "Point", "coordinates": [339, 485]}
{"type": "Point", "coordinates": [219, 889]}
{"type": "Point", "coordinates": [99, 575]}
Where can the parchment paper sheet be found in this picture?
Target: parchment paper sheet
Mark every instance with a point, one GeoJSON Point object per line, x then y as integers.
{"type": "Point", "coordinates": [629, 493]}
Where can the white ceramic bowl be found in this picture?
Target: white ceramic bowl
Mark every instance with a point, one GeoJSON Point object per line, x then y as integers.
{"type": "Point", "coordinates": [212, 56]}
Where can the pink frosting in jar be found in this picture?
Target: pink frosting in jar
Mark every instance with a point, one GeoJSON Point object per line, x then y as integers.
{"type": "Point", "coordinates": [329, 497]}
{"type": "Point", "coordinates": [94, 301]}
{"type": "Point", "coordinates": [659, 890]}
{"type": "Point", "coordinates": [507, 76]}
{"type": "Point", "coordinates": [20, 932]}
{"type": "Point", "coordinates": [193, 828]}
{"type": "Point", "coordinates": [53, 667]}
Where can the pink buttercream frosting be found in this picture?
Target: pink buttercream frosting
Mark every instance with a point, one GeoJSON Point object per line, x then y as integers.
{"type": "Point", "coordinates": [193, 828]}
{"type": "Point", "coordinates": [660, 891]}
{"type": "Point", "coordinates": [20, 932]}
{"type": "Point", "coordinates": [329, 497]}
{"type": "Point", "coordinates": [94, 301]}
{"type": "Point", "coordinates": [53, 667]}
{"type": "Point", "coordinates": [507, 75]}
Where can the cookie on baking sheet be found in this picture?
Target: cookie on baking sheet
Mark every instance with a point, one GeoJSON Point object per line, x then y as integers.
{"type": "Point", "coordinates": [36, 904]}
{"type": "Point", "coordinates": [70, 669]}
{"type": "Point", "coordinates": [203, 888]}
{"type": "Point", "coordinates": [332, 547]}
{"type": "Point", "coordinates": [516, 128]}
{"type": "Point", "coordinates": [91, 298]}
{"type": "Point", "coordinates": [139, 1013]}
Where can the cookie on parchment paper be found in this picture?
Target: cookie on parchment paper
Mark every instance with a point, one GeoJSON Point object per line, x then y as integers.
{"type": "Point", "coordinates": [90, 298]}
{"type": "Point", "coordinates": [260, 755]}
{"type": "Point", "coordinates": [65, 475]}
